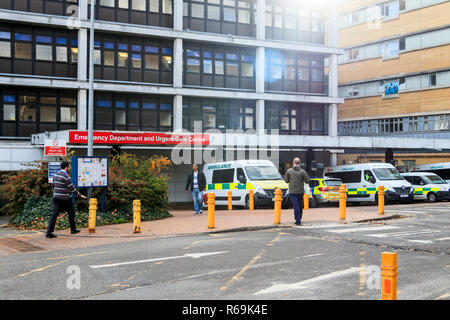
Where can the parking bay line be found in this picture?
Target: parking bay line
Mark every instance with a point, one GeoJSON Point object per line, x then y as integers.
{"type": "Point", "coordinates": [359, 229]}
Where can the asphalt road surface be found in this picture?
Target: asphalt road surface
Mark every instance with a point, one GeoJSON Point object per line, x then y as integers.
{"type": "Point", "coordinates": [329, 261]}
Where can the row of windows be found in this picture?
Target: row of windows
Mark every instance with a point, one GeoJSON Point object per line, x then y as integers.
{"type": "Point", "coordinates": [386, 10]}
{"type": "Point", "coordinates": [28, 111]}
{"type": "Point", "coordinates": [38, 51]}
{"type": "Point", "coordinates": [396, 125]}
{"type": "Point", "coordinates": [294, 72]}
{"type": "Point", "coordinates": [392, 48]}
{"type": "Point", "coordinates": [219, 67]}
{"type": "Point", "coordinates": [144, 12]}
{"type": "Point", "coordinates": [133, 112]}
{"type": "Point", "coordinates": [132, 59]}
{"type": "Point", "coordinates": [416, 82]}
{"type": "Point", "coordinates": [295, 119]}
{"type": "Point", "coordinates": [55, 7]}
{"type": "Point", "coordinates": [218, 114]}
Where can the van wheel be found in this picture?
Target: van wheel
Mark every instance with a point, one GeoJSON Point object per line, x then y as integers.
{"type": "Point", "coordinates": [314, 203]}
{"type": "Point", "coordinates": [431, 197]}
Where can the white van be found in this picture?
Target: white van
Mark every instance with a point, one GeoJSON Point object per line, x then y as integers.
{"type": "Point", "coordinates": [240, 177]}
{"type": "Point", "coordinates": [442, 169]}
{"type": "Point", "coordinates": [428, 186]}
{"type": "Point", "coordinates": [362, 181]}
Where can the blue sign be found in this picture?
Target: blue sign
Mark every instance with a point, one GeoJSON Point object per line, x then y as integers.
{"type": "Point", "coordinates": [53, 168]}
{"type": "Point", "coordinates": [391, 88]}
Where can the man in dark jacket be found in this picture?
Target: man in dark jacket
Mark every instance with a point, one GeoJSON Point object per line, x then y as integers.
{"type": "Point", "coordinates": [197, 183]}
{"type": "Point", "coordinates": [297, 177]}
{"type": "Point", "coordinates": [62, 190]}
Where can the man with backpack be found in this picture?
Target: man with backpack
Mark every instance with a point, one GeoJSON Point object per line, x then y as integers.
{"type": "Point", "coordinates": [297, 178]}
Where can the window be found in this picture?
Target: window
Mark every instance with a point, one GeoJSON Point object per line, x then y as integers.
{"type": "Point", "coordinates": [198, 11]}
{"type": "Point", "coordinates": [229, 14]}
{"type": "Point", "coordinates": [107, 3]}
{"type": "Point", "coordinates": [23, 50]}
{"type": "Point", "coordinates": [213, 12]}
{"type": "Point", "coordinates": [138, 5]}
{"type": "Point", "coordinates": [9, 112]}
{"type": "Point", "coordinates": [5, 45]}
{"type": "Point", "coordinates": [391, 48]}
{"type": "Point", "coordinates": [123, 4]}
{"type": "Point", "coordinates": [223, 176]}
{"type": "Point", "coordinates": [432, 79]}
{"type": "Point", "coordinates": [154, 6]}
{"type": "Point", "coordinates": [152, 58]}
{"type": "Point", "coordinates": [167, 6]}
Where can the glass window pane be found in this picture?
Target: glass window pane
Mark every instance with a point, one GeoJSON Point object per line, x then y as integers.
{"type": "Point", "coordinates": [167, 63]}
{"type": "Point", "coordinates": [47, 114]}
{"type": "Point", "coordinates": [290, 22]}
{"type": "Point", "coordinates": [154, 6]}
{"type": "Point", "coordinates": [230, 3]}
{"type": "Point", "coordinates": [122, 60]}
{"type": "Point", "coordinates": [290, 73]}
{"type": "Point", "coordinates": [9, 112]}
{"type": "Point", "coordinates": [193, 65]}
{"type": "Point", "coordinates": [316, 75]}
{"type": "Point", "coordinates": [198, 11]}
{"type": "Point", "coordinates": [232, 69]}
{"type": "Point", "coordinates": [268, 19]}
{"type": "Point", "coordinates": [123, 4]}
{"type": "Point", "coordinates": [121, 116]}
{"type": "Point", "coordinates": [23, 50]}
{"type": "Point", "coordinates": [74, 55]}
{"type": "Point", "coordinates": [213, 13]}
{"type": "Point", "coordinates": [136, 60]}
{"type": "Point", "coordinates": [44, 52]}
{"type": "Point", "coordinates": [5, 49]}
{"type": "Point", "coordinates": [68, 114]}
{"type": "Point", "coordinates": [109, 58]}
{"type": "Point", "coordinates": [107, 3]}
{"type": "Point", "coordinates": [219, 69]}
{"type": "Point", "coordinates": [207, 66]}
{"type": "Point", "coordinates": [247, 69]}
{"type": "Point", "coordinates": [61, 54]}
{"type": "Point", "coordinates": [138, 5]}
{"type": "Point", "coordinates": [167, 6]}
{"type": "Point", "coordinates": [229, 14]}
{"type": "Point", "coordinates": [244, 16]}
{"type": "Point", "coordinates": [277, 72]}
{"type": "Point", "coordinates": [97, 57]}
{"type": "Point", "coordinates": [27, 113]}
{"type": "Point", "coordinates": [151, 62]}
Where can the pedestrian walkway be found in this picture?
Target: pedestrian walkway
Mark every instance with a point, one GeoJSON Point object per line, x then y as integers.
{"type": "Point", "coordinates": [182, 222]}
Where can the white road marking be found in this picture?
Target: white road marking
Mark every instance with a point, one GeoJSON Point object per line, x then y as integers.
{"type": "Point", "coordinates": [401, 234]}
{"type": "Point", "coordinates": [444, 296]}
{"type": "Point", "coordinates": [421, 241]}
{"type": "Point", "coordinates": [190, 255]}
{"type": "Point", "coordinates": [330, 225]}
{"type": "Point", "coordinates": [304, 284]}
{"type": "Point", "coordinates": [313, 255]}
{"type": "Point", "coordinates": [404, 211]}
{"type": "Point", "coordinates": [359, 229]}
{"type": "Point", "coordinates": [442, 239]}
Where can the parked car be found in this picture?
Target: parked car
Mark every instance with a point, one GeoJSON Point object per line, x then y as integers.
{"type": "Point", "coordinates": [324, 190]}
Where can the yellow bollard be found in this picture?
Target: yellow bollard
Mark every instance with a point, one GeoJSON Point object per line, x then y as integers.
{"type": "Point", "coordinates": [389, 271]}
{"type": "Point", "coordinates": [230, 200]}
{"type": "Point", "coordinates": [251, 200]}
{"type": "Point", "coordinates": [92, 215]}
{"type": "Point", "coordinates": [380, 200]}
{"type": "Point", "coordinates": [277, 206]}
{"type": "Point", "coordinates": [305, 202]}
{"type": "Point", "coordinates": [342, 201]}
{"type": "Point", "coordinates": [137, 216]}
{"type": "Point", "coordinates": [211, 210]}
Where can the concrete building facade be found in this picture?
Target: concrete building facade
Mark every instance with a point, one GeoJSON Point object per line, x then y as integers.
{"type": "Point", "coordinates": [395, 75]}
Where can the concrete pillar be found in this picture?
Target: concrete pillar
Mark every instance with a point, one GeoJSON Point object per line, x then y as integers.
{"type": "Point", "coordinates": [178, 15]}
{"type": "Point", "coordinates": [82, 9]}
{"type": "Point", "coordinates": [260, 116]}
{"type": "Point", "coordinates": [83, 48]}
{"type": "Point", "coordinates": [82, 110]}
{"type": "Point", "coordinates": [260, 69]}
{"type": "Point", "coordinates": [178, 63]}
{"type": "Point", "coordinates": [261, 20]}
{"type": "Point", "coordinates": [177, 113]}
{"type": "Point", "coordinates": [333, 71]}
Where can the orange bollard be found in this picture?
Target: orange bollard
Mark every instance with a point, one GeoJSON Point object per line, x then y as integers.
{"type": "Point", "coordinates": [92, 215]}
{"type": "Point", "coordinates": [137, 216]}
{"type": "Point", "coordinates": [277, 206]}
{"type": "Point", "coordinates": [342, 201]}
{"type": "Point", "coordinates": [380, 200]}
{"type": "Point", "coordinates": [251, 200]}
{"type": "Point", "coordinates": [230, 200]}
{"type": "Point", "coordinates": [305, 202]}
{"type": "Point", "coordinates": [389, 271]}
{"type": "Point", "coordinates": [211, 210]}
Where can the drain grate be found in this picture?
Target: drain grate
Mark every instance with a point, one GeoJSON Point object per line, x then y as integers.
{"type": "Point", "coordinates": [19, 245]}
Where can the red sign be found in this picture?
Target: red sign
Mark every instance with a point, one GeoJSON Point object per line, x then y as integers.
{"type": "Point", "coordinates": [55, 147]}
{"type": "Point", "coordinates": [113, 138]}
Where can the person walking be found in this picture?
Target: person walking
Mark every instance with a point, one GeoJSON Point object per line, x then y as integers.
{"type": "Point", "coordinates": [297, 177]}
{"type": "Point", "coordinates": [196, 181]}
{"type": "Point", "coordinates": [62, 190]}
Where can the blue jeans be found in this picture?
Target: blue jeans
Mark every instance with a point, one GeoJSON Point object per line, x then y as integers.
{"type": "Point", "coordinates": [197, 196]}
{"type": "Point", "coordinates": [297, 202]}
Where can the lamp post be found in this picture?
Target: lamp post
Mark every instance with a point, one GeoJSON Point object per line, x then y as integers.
{"type": "Point", "coordinates": [90, 151]}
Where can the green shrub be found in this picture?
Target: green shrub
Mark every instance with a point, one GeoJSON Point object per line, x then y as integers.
{"type": "Point", "coordinates": [130, 178]}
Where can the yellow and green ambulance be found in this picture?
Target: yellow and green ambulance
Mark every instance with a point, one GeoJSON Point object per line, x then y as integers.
{"type": "Point", "coordinates": [240, 177]}
{"type": "Point", "coordinates": [324, 190]}
{"type": "Point", "coordinates": [428, 186]}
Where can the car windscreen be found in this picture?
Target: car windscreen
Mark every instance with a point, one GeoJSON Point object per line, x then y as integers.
{"type": "Point", "coordinates": [263, 173]}
{"type": "Point", "coordinates": [333, 183]}
{"type": "Point", "coordinates": [387, 174]}
{"type": "Point", "coordinates": [434, 179]}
